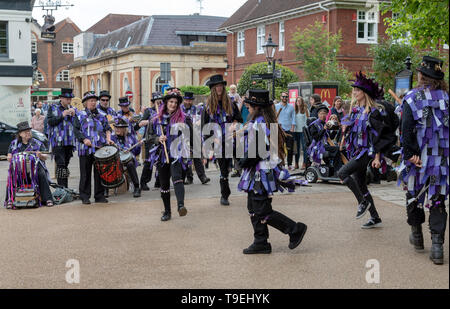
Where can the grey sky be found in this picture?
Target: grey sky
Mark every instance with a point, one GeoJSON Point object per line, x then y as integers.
{"type": "Point", "coordinates": [85, 13]}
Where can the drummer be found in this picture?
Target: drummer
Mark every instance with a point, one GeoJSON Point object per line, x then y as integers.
{"type": "Point", "coordinates": [93, 132]}
{"type": "Point", "coordinates": [24, 142]}
{"type": "Point", "coordinates": [127, 112]}
{"type": "Point", "coordinates": [125, 140]}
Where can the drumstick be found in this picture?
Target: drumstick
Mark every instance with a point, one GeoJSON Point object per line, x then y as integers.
{"type": "Point", "coordinates": [162, 134]}
{"type": "Point", "coordinates": [35, 152]}
{"type": "Point", "coordinates": [396, 98]}
{"type": "Point", "coordinates": [134, 146]}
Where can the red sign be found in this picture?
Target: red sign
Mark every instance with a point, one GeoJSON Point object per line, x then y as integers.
{"type": "Point", "coordinates": [293, 95]}
{"type": "Point", "coordinates": [129, 94]}
{"type": "Point", "coordinates": [327, 95]}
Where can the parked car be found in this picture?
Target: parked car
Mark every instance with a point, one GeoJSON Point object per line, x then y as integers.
{"type": "Point", "coordinates": [8, 134]}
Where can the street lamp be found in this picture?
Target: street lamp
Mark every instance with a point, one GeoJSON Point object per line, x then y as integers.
{"type": "Point", "coordinates": [270, 47]}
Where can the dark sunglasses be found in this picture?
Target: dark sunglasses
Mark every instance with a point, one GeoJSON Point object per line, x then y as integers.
{"type": "Point", "coordinates": [104, 100]}
{"type": "Point", "coordinates": [285, 96]}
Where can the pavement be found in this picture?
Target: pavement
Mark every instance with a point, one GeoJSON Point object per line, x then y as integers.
{"type": "Point", "coordinates": [124, 244]}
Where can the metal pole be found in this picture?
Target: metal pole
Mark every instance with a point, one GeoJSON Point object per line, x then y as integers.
{"type": "Point", "coordinates": [273, 79]}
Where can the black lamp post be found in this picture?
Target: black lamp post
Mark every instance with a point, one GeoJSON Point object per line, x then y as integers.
{"type": "Point", "coordinates": [270, 47]}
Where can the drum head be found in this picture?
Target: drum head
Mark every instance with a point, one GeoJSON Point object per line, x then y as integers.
{"type": "Point", "coordinates": [106, 152]}
{"type": "Point", "coordinates": [125, 156]}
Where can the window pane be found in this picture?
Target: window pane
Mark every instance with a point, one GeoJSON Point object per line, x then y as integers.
{"type": "Point", "coordinates": [361, 30]}
{"type": "Point", "coordinates": [371, 30]}
{"type": "Point", "coordinates": [361, 15]}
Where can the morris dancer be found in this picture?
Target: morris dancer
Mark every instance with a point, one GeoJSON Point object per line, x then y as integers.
{"type": "Point", "coordinates": [261, 178]}
{"type": "Point", "coordinates": [126, 111]}
{"type": "Point", "coordinates": [362, 134]}
{"type": "Point", "coordinates": [425, 156]}
{"type": "Point", "coordinates": [169, 115]}
{"type": "Point", "coordinates": [93, 132]}
{"type": "Point", "coordinates": [125, 140]}
{"type": "Point", "coordinates": [104, 106]}
{"type": "Point", "coordinates": [195, 114]}
{"type": "Point", "coordinates": [61, 135]}
{"type": "Point", "coordinates": [24, 142]}
{"type": "Point", "coordinates": [220, 110]}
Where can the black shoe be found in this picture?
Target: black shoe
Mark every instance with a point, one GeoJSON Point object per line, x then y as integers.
{"type": "Point", "coordinates": [363, 208]}
{"type": "Point", "coordinates": [102, 201]}
{"type": "Point", "coordinates": [86, 202]}
{"type": "Point", "coordinates": [416, 238]}
{"type": "Point", "coordinates": [372, 223]}
{"type": "Point", "coordinates": [137, 193]}
{"type": "Point", "coordinates": [144, 187]}
{"type": "Point", "coordinates": [296, 238]}
{"type": "Point", "coordinates": [224, 202]}
{"type": "Point", "coordinates": [235, 174]}
{"type": "Point", "coordinates": [166, 216]}
{"type": "Point", "coordinates": [205, 180]}
{"type": "Point", "coordinates": [182, 210]}
{"type": "Point", "coordinates": [258, 249]}
{"type": "Point", "coordinates": [189, 182]}
{"type": "Point", "coordinates": [437, 250]}
{"type": "Point", "coordinates": [106, 193]}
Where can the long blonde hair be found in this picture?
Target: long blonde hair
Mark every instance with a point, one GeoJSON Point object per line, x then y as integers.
{"type": "Point", "coordinates": [370, 103]}
{"type": "Point", "coordinates": [212, 103]}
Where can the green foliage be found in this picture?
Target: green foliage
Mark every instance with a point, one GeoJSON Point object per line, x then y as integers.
{"type": "Point", "coordinates": [281, 84]}
{"type": "Point", "coordinates": [317, 50]}
{"type": "Point", "coordinates": [426, 21]}
{"type": "Point", "coordinates": [197, 90]}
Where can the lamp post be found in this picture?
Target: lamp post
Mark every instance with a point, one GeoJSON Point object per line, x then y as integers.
{"type": "Point", "coordinates": [270, 48]}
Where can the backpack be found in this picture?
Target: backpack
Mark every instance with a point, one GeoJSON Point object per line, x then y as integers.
{"type": "Point", "coordinates": [64, 195]}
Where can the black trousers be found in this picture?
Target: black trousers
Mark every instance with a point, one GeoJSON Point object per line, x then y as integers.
{"type": "Point", "coordinates": [86, 166]}
{"type": "Point", "coordinates": [44, 186]}
{"type": "Point", "coordinates": [199, 169]}
{"type": "Point", "coordinates": [224, 165]}
{"type": "Point", "coordinates": [438, 214]}
{"type": "Point", "coordinates": [174, 171]}
{"type": "Point", "coordinates": [332, 157]}
{"type": "Point", "coordinates": [147, 172]}
{"type": "Point", "coordinates": [132, 172]}
{"type": "Point", "coordinates": [262, 214]}
{"type": "Point", "coordinates": [62, 159]}
{"type": "Point", "coordinates": [353, 174]}
{"type": "Point", "coordinates": [290, 146]}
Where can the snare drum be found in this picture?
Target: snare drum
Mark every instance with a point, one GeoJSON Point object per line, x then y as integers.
{"type": "Point", "coordinates": [107, 163]}
{"type": "Point", "coordinates": [125, 158]}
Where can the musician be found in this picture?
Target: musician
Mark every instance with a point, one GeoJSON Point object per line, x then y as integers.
{"type": "Point", "coordinates": [425, 141]}
{"type": "Point", "coordinates": [221, 110]}
{"type": "Point", "coordinates": [127, 112]}
{"type": "Point", "coordinates": [92, 132]}
{"type": "Point", "coordinates": [24, 142]}
{"type": "Point", "coordinates": [320, 132]}
{"type": "Point", "coordinates": [169, 115]}
{"type": "Point", "coordinates": [261, 178]}
{"type": "Point", "coordinates": [190, 109]}
{"type": "Point", "coordinates": [149, 114]}
{"type": "Point", "coordinates": [104, 107]}
{"type": "Point", "coordinates": [125, 140]}
{"type": "Point", "coordinates": [62, 139]}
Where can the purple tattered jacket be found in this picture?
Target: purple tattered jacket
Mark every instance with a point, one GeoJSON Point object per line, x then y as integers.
{"type": "Point", "coordinates": [93, 127]}
{"type": "Point", "coordinates": [62, 133]}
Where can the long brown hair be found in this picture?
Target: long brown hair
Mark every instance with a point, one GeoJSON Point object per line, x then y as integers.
{"type": "Point", "coordinates": [212, 103]}
{"type": "Point", "coordinates": [303, 108]}
{"type": "Point", "coordinates": [270, 117]}
{"type": "Point", "coordinates": [433, 84]}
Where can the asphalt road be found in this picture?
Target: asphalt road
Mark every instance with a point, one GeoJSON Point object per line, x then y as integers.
{"type": "Point", "coordinates": [125, 245]}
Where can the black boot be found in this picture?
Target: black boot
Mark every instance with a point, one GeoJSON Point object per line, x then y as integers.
{"type": "Point", "coordinates": [137, 192]}
{"type": "Point", "coordinates": [167, 214]}
{"type": "Point", "coordinates": [182, 211]}
{"type": "Point", "coordinates": [205, 180]}
{"type": "Point", "coordinates": [225, 191]}
{"type": "Point", "coordinates": [144, 187]}
{"type": "Point", "coordinates": [296, 238]}
{"type": "Point", "coordinates": [437, 250]}
{"type": "Point", "coordinates": [258, 249]}
{"type": "Point", "coordinates": [416, 237]}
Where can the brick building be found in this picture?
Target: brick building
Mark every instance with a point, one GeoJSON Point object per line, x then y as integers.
{"type": "Point", "coordinates": [248, 29]}
{"type": "Point", "coordinates": [53, 58]}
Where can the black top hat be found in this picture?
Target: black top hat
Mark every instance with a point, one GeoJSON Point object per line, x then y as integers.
{"type": "Point", "coordinates": [189, 95]}
{"type": "Point", "coordinates": [89, 95]}
{"type": "Point", "coordinates": [66, 93]}
{"type": "Point", "coordinates": [157, 96]}
{"type": "Point", "coordinates": [259, 98]}
{"type": "Point", "coordinates": [124, 101]}
{"type": "Point", "coordinates": [215, 80]}
{"type": "Point", "coordinates": [121, 122]}
{"type": "Point", "coordinates": [320, 107]}
{"type": "Point", "coordinates": [23, 126]}
{"type": "Point", "coordinates": [175, 95]}
{"type": "Point", "coordinates": [432, 67]}
{"type": "Point", "coordinates": [104, 93]}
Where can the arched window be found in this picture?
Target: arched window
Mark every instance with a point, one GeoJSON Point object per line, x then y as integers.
{"type": "Point", "coordinates": [126, 84]}
{"type": "Point", "coordinates": [99, 86]}
{"type": "Point", "coordinates": [159, 84]}
{"type": "Point", "coordinates": [92, 85]}
{"type": "Point", "coordinates": [206, 82]}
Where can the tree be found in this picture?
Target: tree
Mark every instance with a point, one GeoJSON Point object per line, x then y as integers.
{"type": "Point", "coordinates": [425, 21]}
{"type": "Point", "coordinates": [281, 84]}
{"type": "Point", "coordinates": [317, 50]}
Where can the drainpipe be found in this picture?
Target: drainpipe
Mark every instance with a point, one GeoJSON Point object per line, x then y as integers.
{"type": "Point", "coordinates": [232, 53]}
{"type": "Point", "coordinates": [329, 28]}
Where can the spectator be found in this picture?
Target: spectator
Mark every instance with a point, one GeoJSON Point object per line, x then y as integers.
{"type": "Point", "coordinates": [37, 122]}
{"type": "Point", "coordinates": [301, 117]}
{"type": "Point", "coordinates": [315, 102]}
{"type": "Point", "coordinates": [235, 97]}
{"type": "Point", "coordinates": [286, 118]}
{"type": "Point", "coordinates": [337, 109]}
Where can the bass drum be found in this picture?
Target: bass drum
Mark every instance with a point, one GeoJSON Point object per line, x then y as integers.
{"type": "Point", "coordinates": [107, 163]}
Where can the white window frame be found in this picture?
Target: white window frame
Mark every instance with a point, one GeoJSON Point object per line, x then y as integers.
{"type": "Point", "coordinates": [6, 55]}
{"type": "Point", "coordinates": [241, 44]}
{"type": "Point", "coordinates": [34, 49]}
{"type": "Point", "coordinates": [282, 37]}
{"type": "Point", "coordinates": [367, 17]}
{"type": "Point", "coordinates": [40, 76]}
{"type": "Point", "coordinates": [67, 48]}
{"type": "Point", "coordinates": [63, 76]}
{"type": "Point", "coordinates": [260, 39]}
